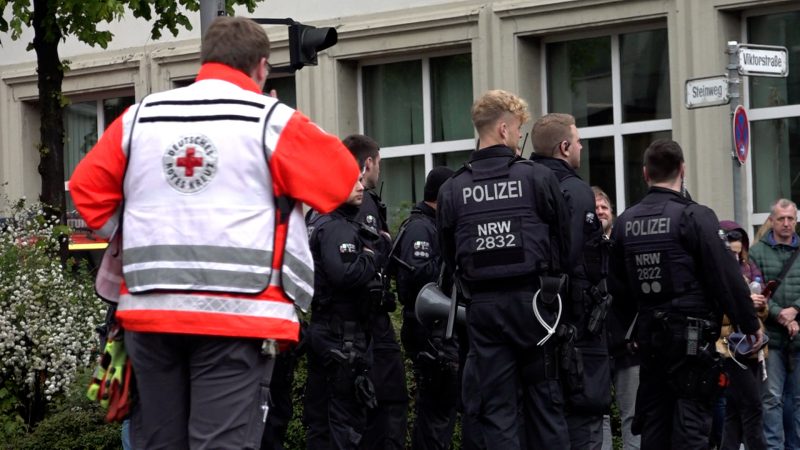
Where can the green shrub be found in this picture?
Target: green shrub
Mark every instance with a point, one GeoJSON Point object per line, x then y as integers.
{"type": "Point", "coordinates": [47, 316]}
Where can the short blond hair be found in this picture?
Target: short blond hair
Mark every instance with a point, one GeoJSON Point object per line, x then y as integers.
{"type": "Point", "coordinates": [549, 131]}
{"type": "Point", "coordinates": [492, 105]}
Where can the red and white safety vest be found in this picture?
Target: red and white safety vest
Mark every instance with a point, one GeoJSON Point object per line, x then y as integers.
{"type": "Point", "coordinates": [204, 249]}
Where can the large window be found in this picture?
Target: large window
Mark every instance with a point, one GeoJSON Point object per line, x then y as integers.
{"type": "Point", "coordinates": [84, 122]}
{"type": "Point", "coordinates": [418, 112]}
{"type": "Point", "coordinates": [775, 116]}
{"type": "Point", "coordinates": [284, 87]}
{"type": "Point", "coordinates": [617, 87]}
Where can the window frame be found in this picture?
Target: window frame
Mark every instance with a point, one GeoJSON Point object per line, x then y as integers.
{"type": "Point", "coordinates": [97, 98]}
{"type": "Point", "coordinates": [617, 129]}
{"type": "Point", "coordinates": [760, 114]}
{"type": "Point", "coordinates": [428, 147]}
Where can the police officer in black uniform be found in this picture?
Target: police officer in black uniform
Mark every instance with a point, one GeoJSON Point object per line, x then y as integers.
{"type": "Point", "coordinates": [417, 261]}
{"type": "Point", "coordinates": [503, 227]}
{"type": "Point", "coordinates": [668, 258]}
{"type": "Point", "coordinates": [339, 354]}
{"type": "Point", "coordinates": [386, 424]}
{"type": "Point", "coordinates": [557, 145]}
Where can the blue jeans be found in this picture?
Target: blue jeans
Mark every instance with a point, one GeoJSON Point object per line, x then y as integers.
{"type": "Point", "coordinates": [778, 382]}
{"type": "Point", "coordinates": [626, 383]}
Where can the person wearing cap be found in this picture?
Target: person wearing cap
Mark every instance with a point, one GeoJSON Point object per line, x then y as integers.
{"type": "Point", "coordinates": [416, 260]}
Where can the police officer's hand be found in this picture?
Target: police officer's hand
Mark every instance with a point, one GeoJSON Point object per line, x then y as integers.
{"type": "Point", "coordinates": [787, 315]}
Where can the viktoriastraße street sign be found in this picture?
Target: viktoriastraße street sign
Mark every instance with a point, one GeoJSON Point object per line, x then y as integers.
{"type": "Point", "coordinates": [763, 60]}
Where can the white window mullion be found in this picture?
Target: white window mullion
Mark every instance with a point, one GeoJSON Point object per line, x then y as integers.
{"type": "Point", "coordinates": [543, 74]}
{"type": "Point", "coordinates": [616, 80]}
{"type": "Point", "coordinates": [427, 101]}
{"type": "Point", "coordinates": [100, 118]}
{"type": "Point", "coordinates": [619, 170]}
{"type": "Point", "coordinates": [648, 126]}
{"type": "Point", "coordinates": [360, 97]}
{"type": "Point", "coordinates": [427, 112]}
{"type": "Point", "coordinates": [616, 104]}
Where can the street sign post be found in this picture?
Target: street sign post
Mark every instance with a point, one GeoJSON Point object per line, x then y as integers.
{"type": "Point", "coordinates": [743, 59]}
{"type": "Point", "coordinates": [707, 91]}
{"type": "Point", "coordinates": [763, 60]}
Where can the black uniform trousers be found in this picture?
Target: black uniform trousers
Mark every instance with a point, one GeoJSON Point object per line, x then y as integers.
{"type": "Point", "coordinates": [335, 417]}
{"type": "Point", "coordinates": [503, 334]}
{"type": "Point", "coordinates": [281, 406]}
{"type": "Point", "coordinates": [668, 419]}
{"type": "Point", "coordinates": [436, 372]}
{"type": "Point", "coordinates": [386, 424]}
{"type": "Point", "coordinates": [744, 417]}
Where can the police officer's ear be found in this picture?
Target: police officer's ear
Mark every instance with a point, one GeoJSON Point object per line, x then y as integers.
{"type": "Point", "coordinates": [563, 148]}
{"type": "Point", "coordinates": [645, 175]}
{"type": "Point", "coordinates": [503, 130]}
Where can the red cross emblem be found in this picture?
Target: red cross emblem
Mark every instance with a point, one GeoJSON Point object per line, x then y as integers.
{"type": "Point", "coordinates": [189, 162]}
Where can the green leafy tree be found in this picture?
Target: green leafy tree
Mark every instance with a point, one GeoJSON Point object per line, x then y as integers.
{"type": "Point", "coordinates": [54, 20]}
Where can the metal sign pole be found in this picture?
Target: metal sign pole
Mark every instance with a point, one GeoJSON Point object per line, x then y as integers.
{"type": "Point", "coordinates": [210, 10]}
{"type": "Point", "coordinates": [734, 82]}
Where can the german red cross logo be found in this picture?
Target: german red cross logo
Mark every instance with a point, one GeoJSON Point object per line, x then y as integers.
{"type": "Point", "coordinates": [190, 164]}
{"type": "Point", "coordinates": [190, 161]}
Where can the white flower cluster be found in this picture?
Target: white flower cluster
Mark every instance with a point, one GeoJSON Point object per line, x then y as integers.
{"type": "Point", "coordinates": [47, 313]}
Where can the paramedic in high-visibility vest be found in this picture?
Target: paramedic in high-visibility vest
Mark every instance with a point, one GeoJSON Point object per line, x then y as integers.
{"type": "Point", "coordinates": [204, 183]}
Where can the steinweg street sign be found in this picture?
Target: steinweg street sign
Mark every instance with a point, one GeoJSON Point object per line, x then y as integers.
{"type": "Point", "coordinates": [707, 91]}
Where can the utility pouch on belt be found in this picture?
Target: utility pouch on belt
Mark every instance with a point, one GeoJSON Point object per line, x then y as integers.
{"type": "Point", "coordinates": [699, 377]}
{"type": "Point", "coordinates": [111, 381]}
{"type": "Point", "coordinates": [570, 361]}
{"type": "Point", "coordinates": [601, 302]}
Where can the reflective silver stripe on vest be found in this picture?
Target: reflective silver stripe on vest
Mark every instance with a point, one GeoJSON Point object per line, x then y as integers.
{"type": "Point", "coordinates": [197, 267]}
{"type": "Point", "coordinates": [208, 253]}
{"type": "Point", "coordinates": [298, 281]}
{"type": "Point", "coordinates": [208, 304]}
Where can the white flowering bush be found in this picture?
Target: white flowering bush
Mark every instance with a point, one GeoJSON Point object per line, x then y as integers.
{"type": "Point", "coordinates": [48, 313]}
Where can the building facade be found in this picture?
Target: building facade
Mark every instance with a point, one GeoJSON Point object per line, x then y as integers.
{"type": "Point", "coordinates": [407, 75]}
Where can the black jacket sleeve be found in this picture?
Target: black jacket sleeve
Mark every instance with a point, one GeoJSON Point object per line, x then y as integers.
{"type": "Point", "coordinates": [418, 248]}
{"type": "Point", "coordinates": [722, 278]}
{"type": "Point", "coordinates": [555, 211]}
{"type": "Point", "coordinates": [445, 224]}
{"type": "Point", "coordinates": [618, 275]}
{"type": "Point", "coordinates": [345, 264]}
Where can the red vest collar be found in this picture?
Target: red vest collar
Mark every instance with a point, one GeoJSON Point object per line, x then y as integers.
{"type": "Point", "coordinates": [217, 71]}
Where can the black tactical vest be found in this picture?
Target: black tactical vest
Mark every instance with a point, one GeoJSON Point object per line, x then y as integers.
{"type": "Point", "coordinates": [499, 233]}
{"type": "Point", "coordinates": [595, 252]}
{"type": "Point", "coordinates": [660, 270]}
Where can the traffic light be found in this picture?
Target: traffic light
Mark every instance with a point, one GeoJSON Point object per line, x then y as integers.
{"type": "Point", "coordinates": [305, 41]}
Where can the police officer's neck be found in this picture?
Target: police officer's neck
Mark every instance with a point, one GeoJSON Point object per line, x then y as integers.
{"type": "Point", "coordinates": [673, 185]}
{"type": "Point", "coordinates": [431, 204]}
{"type": "Point", "coordinates": [349, 209]}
